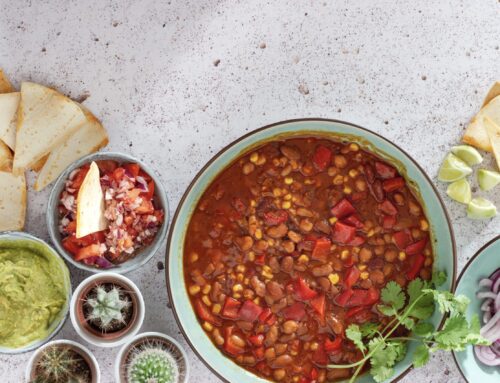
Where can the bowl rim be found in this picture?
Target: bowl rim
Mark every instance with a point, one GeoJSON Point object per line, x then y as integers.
{"type": "Point", "coordinates": [269, 126]}
{"type": "Point", "coordinates": [476, 255]}
{"type": "Point", "coordinates": [21, 235]}
{"type": "Point", "coordinates": [52, 225]}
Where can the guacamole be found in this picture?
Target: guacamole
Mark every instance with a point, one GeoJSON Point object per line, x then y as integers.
{"type": "Point", "coordinates": [33, 292]}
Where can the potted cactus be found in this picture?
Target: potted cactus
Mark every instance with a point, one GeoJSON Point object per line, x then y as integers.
{"type": "Point", "coordinates": [62, 361]}
{"type": "Point", "coordinates": [107, 309]}
{"type": "Point", "coordinates": [151, 357]}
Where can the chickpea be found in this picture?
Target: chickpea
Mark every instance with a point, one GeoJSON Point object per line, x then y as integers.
{"type": "Point", "coordinates": [360, 184]}
{"type": "Point", "coordinates": [377, 276]}
{"type": "Point", "coordinates": [244, 243]}
{"type": "Point", "coordinates": [290, 326]}
{"type": "Point", "coordinates": [390, 255]}
{"type": "Point", "coordinates": [279, 374]}
{"type": "Point", "coordinates": [340, 161]}
{"type": "Point", "coordinates": [248, 168]}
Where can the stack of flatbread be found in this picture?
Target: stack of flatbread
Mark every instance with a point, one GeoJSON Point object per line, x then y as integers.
{"type": "Point", "coordinates": [40, 130]}
{"type": "Point", "coordinates": [483, 131]}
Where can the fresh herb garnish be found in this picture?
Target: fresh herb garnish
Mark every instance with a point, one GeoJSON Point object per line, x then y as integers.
{"type": "Point", "coordinates": [382, 349]}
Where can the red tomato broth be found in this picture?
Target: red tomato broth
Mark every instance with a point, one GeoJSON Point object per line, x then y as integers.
{"type": "Point", "coordinates": [280, 257]}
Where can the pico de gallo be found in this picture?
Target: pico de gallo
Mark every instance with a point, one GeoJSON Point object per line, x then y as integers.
{"type": "Point", "coordinates": [130, 209]}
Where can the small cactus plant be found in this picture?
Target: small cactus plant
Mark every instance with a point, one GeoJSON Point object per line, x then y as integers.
{"type": "Point", "coordinates": [153, 362]}
{"type": "Point", "coordinates": [108, 308]}
{"type": "Point", "coordinates": [61, 364]}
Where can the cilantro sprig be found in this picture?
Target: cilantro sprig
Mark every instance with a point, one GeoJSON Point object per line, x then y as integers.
{"type": "Point", "coordinates": [382, 349]}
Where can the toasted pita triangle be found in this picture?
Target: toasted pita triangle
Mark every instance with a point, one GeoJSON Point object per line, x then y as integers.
{"type": "Point", "coordinates": [12, 201]}
{"type": "Point", "coordinates": [5, 85]}
{"type": "Point", "coordinates": [5, 158]}
{"type": "Point", "coordinates": [89, 138]}
{"type": "Point", "coordinates": [45, 119]}
{"type": "Point", "coordinates": [492, 93]}
{"type": "Point", "coordinates": [475, 134]}
{"type": "Point", "coordinates": [8, 117]}
{"type": "Point", "coordinates": [493, 130]}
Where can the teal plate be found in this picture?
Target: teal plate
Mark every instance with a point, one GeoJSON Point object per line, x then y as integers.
{"type": "Point", "coordinates": [480, 266]}
{"type": "Point", "coordinates": [440, 228]}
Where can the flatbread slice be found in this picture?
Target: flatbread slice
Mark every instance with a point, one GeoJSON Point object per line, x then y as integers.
{"type": "Point", "coordinates": [5, 85]}
{"type": "Point", "coordinates": [37, 166]}
{"type": "Point", "coordinates": [492, 93]}
{"type": "Point", "coordinates": [493, 130]}
{"type": "Point", "coordinates": [5, 158]}
{"type": "Point", "coordinates": [12, 201]}
{"type": "Point", "coordinates": [475, 134]}
{"type": "Point", "coordinates": [45, 119]}
{"type": "Point", "coordinates": [89, 138]}
{"type": "Point", "coordinates": [8, 117]}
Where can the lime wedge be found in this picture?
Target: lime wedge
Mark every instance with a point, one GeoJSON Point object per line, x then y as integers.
{"type": "Point", "coordinates": [460, 191]}
{"type": "Point", "coordinates": [453, 169]}
{"type": "Point", "coordinates": [468, 154]}
{"type": "Point", "coordinates": [488, 179]}
{"type": "Point", "coordinates": [480, 208]}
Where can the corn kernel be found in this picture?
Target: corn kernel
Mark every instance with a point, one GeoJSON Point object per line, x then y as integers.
{"type": "Point", "coordinates": [256, 300]}
{"type": "Point", "coordinates": [246, 281]}
{"type": "Point", "coordinates": [288, 180]}
{"type": "Point", "coordinates": [240, 277]}
{"type": "Point", "coordinates": [195, 289]}
{"type": "Point", "coordinates": [334, 278]}
{"type": "Point", "coordinates": [402, 256]}
{"type": "Point", "coordinates": [332, 171]}
{"type": "Point", "coordinates": [370, 233]}
{"type": "Point", "coordinates": [314, 346]}
{"type": "Point", "coordinates": [258, 234]}
{"type": "Point", "coordinates": [353, 173]}
{"type": "Point", "coordinates": [364, 275]}
{"type": "Point", "coordinates": [338, 180]}
{"type": "Point", "coordinates": [428, 262]}
{"type": "Point", "coordinates": [206, 300]}
{"type": "Point", "coordinates": [344, 254]}
{"type": "Point", "coordinates": [208, 326]}
{"type": "Point", "coordinates": [261, 161]}
{"type": "Point", "coordinates": [254, 157]}
{"type": "Point", "coordinates": [267, 275]}
{"type": "Point", "coordinates": [354, 147]}
{"type": "Point", "coordinates": [424, 225]}
{"type": "Point", "coordinates": [277, 192]}
{"type": "Point", "coordinates": [267, 269]}
{"type": "Point", "coordinates": [347, 190]}
{"type": "Point", "coordinates": [241, 268]}
{"type": "Point", "coordinates": [286, 205]}
{"type": "Point", "coordinates": [236, 295]}
{"type": "Point", "coordinates": [270, 242]}
{"type": "Point", "coordinates": [206, 289]}
{"type": "Point", "coordinates": [362, 267]}
{"type": "Point", "coordinates": [251, 256]}
{"type": "Point", "coordinates": [332, 220]}
{"type": "Point", "coordinates": [308, 181]}
{"type": "Point", "coordinates": [303, 259]}
{"type": "Point", "coordinates": [253, 203]}
{"type": "Point", "coordinates": [194, 257]}
{"type": "Point", "coordinates": [237, 288]}
{"type": "Point", "coordinates": [287, 197]}
{"type": "Point", "coordinates": [216, 308]}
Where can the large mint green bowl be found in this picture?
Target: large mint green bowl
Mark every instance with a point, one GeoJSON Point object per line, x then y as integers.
{"type": "Point", "coordinates": [441, 230]}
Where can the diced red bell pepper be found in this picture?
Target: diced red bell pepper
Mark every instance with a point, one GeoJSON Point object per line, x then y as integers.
{"type": "Point", "coordinates": [133, 169]}
{"type": "Point", "coordinates": [401, 239]}
{"type": "Point", "coordinates": [297, 311]}
{"type": "Point", "coordinates": [343, 233]}
{"type": "Point", "coordinates": [322, 157]}
{"type": "Point", "coordinates": [314, 374]}
{"type": "Point", "coordinates": [231, 308]}
{"type": "Point", "coordinates": [204, 313]}
{"type": "Point", "coordinates": [267, 316]}
{"type": "Point", "coordinates": [388, 221]}
{"type": "Point", "coordinates": [256, 340]}
{"type": "Point", "coordinates": [250, 311]}
{"type": "Point", "coordinates": [321, 248]}
{"type": "Point", "coordinates": [332, 346]}
{"type": "Point", "coordinates": [387, 207]}
{"type": "Point", "coordinates": [358, 240]}
{"type": "Point", "coordinates": [351, 276]}
{"type": "Point", "coordinates": [349, 261]}
{"type": "Point", "coordinates": [343, 208]}
{"type": "Point", "coordinates": [342, 298]}
{"type": "Point", "coordinates": [260, 259]}
{"type": "Point", "coordinates": [318, 304]}
{"type": "Point", "coordinates": [275, 217]}
{"type": "Point", "coordinates": [87, 252]}
{"type": "Point", "coordinates": [320, 357]}
{"type": "Point", "coordinates": [229, 346]}
{"type": "Point", "coordinates": [93, 238]}
{"type": "Point", "coordinates": [353, 311]}
{"type": "Point", "coordinates": [302, 290]}
{"type": "Point", "coordinates": [70, 244]}
{"type": "Point", "coordinates": [416, 247]}
{"type": "Point", "coordinates": [385, 171]}
{"type": "Point", "coordinates": [393, 184]}
{"type": "Point", "coordinates": [354, 220]}
{"type": "Point", "coordinates": [418, 263]}
{"type": "Point", "coordinates": [259, 353]}
{"type": "Point", "coordinates": [359, 297]}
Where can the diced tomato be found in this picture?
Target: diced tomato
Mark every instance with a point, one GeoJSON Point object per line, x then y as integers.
{"type": "Point", "coordinates": [322, 157]}
{"type": "Point", "coordinates": [260, 259]}
{"type": "Point", "coordinates": [231, 308]}
{"type": "Point", "coordinates": [71, 245]}
{"type": "Point", "coordinates": [302, 290]}
{"type": "Point", "coordinates": [256, 340]}
{"type": "Point", "coordinates": [145, 175]}
{"type": "Point", "coordinates": [79, 177]}
{"type": "Point", "coordinates": [353, 311]}
{"type": "Point", "coordinates": [385, 171]}
{"type": "Point", "coordinates": [331, 346]}
{"type": "Point", "coordinates": [342, 298]}
{"type": "Point", "coordinates": [87, 252]}
{"type": "Point", "coordinates": [321, 248]}
{"type": "Point", "coordinates": [146, 207]}
{"type": "Point", "coordinates": [343, 208]}
{"type": "Point", "coordinates": [393, 184]}
{"type": "Point", "coordinates": [106, 166]}
{"type": "Point", "coordinates": [70, 227]}
{"type": "Point", "coordinates": [343, 233]}
{"type": "Point", "coordinates": [296, 311]}
{"type": "Point", "coordinates": [358, 240]}
{"type": "Point", "coordinates": [354, 220]}
{"type": "Point", "coordinates": [401, 239]}
{"type": "Point", "coordinates": [418, 263]}
{"type": "Point", "coordinates": [387, 207]}
{"type": "Point", "coordinates": [388, 221]}
{"type": "Point", "coordinates": [318, 304]}
{"type": "Point", "coordinates": [259, 353]}
{"type": "Point", "coordinates": [133, 169]}
{"type": "Point", "coordinates": [265, 315]}
{"type": "Point", "coordinates": [97, 237]}
{"type": "Point", "coordinates": [118, 174]}
{"type": "Point", "coordinates": [132, 194]}
{"type": "Point", "coordinates": [275, 217]}
{"type": "Point", "coordinates": [204, 313]}
{"type": "Point", "coordinates": [416, 247]}
{"type": "Point", "coordinates": [151, 191]}
{"type": "Point", "coordinates": [351, 276]}
{"type": "Point", "coordinates": [229, 346]}
{"type": "Point", "coordinates": [320, 357]}
{"type": "Point", "coordinates": [249, 311]}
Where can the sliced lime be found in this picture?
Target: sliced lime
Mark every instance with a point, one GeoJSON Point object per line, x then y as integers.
{"type": "Point", "coordinates": [480, 208]}
{"type": "Point", "coordinates": [468, 154]}
{"type": "Point", "coordinates": [460, 191]}
{"type": "Point", "coordinates": [488, 179]}
{"type": "Point", "coordinates": [453, 169]}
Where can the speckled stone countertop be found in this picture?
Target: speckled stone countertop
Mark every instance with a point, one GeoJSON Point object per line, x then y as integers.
{"type": "Point", "coordinates": [176, 81]}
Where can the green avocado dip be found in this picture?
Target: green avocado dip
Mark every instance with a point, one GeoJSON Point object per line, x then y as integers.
{"type": "Point", "coordinates": [34, 287]}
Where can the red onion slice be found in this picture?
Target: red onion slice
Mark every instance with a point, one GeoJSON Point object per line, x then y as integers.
{"type": "Point", "coordinates": [486, 355]}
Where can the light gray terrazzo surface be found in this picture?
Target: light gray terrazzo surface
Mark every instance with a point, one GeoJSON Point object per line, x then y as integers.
{"type": "Point", "coordinates": [175, 81]}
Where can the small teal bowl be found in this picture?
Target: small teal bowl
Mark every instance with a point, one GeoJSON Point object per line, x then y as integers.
{"type": "Point", "coordinates": [480, 266]}
{"type": "Point", "coordinates": [441, 231]}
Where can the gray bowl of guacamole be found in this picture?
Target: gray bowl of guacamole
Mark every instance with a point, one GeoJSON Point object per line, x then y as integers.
{"type": "Point", "coordinates": [35, 291]}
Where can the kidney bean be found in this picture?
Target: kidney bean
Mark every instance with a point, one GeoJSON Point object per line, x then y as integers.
{"type": "Point", "coordinates": [277, 231]}
{"type": "Point", "coordinates": [365, 254]}
{"type": "Point", "coordinates": [279, 374]}
{"type": "Point", "coordinates": [270, 353]}
{"type": "Point", "coordinates": [274, 265]}
{"type": "Point", "coordinates": [277, 307]}
{"type": "Point", "coordinates": [280, 348]}
{"type": "Point", "coordinates": [244, 243]}
{"type": "Point", "coordinates": [294, 236]}
{"type": "Point", "coordinates": [288, 246]}
{"type": "Point", "coordinates": [390, 255]}
{"type": "Point", "coordinates": [290, 326]}
{"type": "Point", "coordinates": [282, 361]}
{"type": "Point", "coordinates": [258, 286]}
{"type": "Point", "coordinates": [335, 324]}
{"type": "Point", "coordinates": [271, 336]}
{"type": "Point", "coordinates": [248, 359]}
{"type": "Point", "coordinates": [323, 270]}
{"type": "Point", "coordinates": [290, 152]}
{"type": "Point", "coordinates": [287, 264]}
{"type": "Point", "coordinates": [275, 290]}
{"type": "Point", "coordinates": [245, 325]}
{"type": "Point", "coordinates": [303, 212]}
